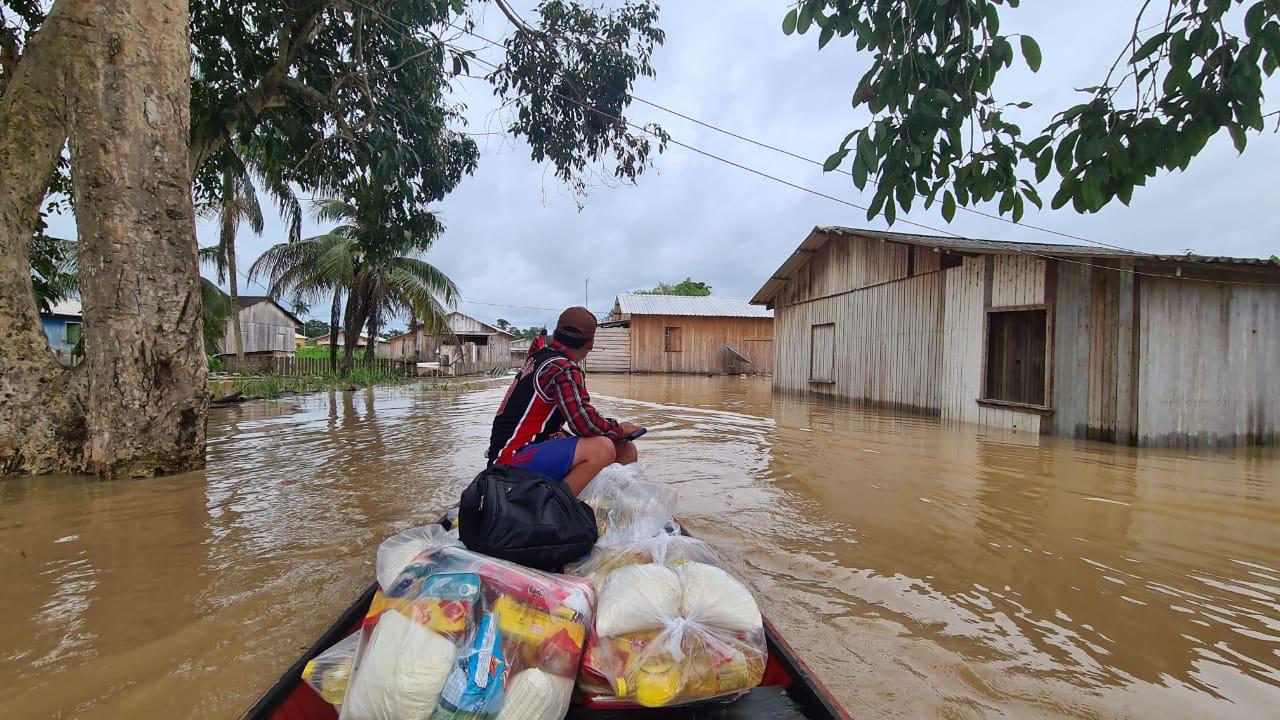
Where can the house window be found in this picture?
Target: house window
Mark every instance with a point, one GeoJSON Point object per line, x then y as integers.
{"type": "Point", "coordinates": [674, 343]}
{"type": "Point", "coordinates": [822, 353]}
{"type": "Point", "coordinates": [1017, 355]}
{"type": "Point", "coordinates": [71, 333]}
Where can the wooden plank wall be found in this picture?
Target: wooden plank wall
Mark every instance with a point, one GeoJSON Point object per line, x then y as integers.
{"type": "Point", "coordinates": [612, 352]}
{"type": "Point", "coordinates": [888, 349]}
{"type": "Point", "coordinates": [1209, 355]}
{"type": "Point", "coordinates": [703, 339]}
{"type": "Point", "coordinates": [1015, 281]}
{"type": "Point", "coordinates": [263, 329]}
{"type": "Point", "coordinates": [845, 264]}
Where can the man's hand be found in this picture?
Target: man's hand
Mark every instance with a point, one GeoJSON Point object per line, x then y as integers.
{"type": "Point", "coordinates": [628, 428]}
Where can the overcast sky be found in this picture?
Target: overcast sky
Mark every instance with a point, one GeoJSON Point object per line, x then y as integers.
{"type": "Point", "coordinates": [517, 237]}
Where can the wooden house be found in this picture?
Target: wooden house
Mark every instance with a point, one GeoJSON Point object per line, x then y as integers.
{"type": "Point", "coordinates": [680, 334]}
{"type": "Point", "coordinates": [267, 329]}
{"type": "Point", "coordinates": [469, 346]}
{"type": "Point", "coordinates": [1055, 339]}
{"type": "Point", "coordinates": [383, 347]}
{"type": "Point", "coordinates": [519, 352]}
{"type": "Point", "coordinates": [62, 326]}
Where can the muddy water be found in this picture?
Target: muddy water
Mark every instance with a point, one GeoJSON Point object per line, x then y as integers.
{"type": "Point", "coordinates": [923, 570]}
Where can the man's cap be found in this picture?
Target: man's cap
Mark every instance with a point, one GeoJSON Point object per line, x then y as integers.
{"type": "Point", "coordinates": [576, 324]}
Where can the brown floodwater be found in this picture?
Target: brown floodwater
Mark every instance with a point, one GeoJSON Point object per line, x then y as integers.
{"type": "Point", "coordinates": [921, 569]}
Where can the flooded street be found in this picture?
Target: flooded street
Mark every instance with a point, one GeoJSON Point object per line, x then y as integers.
{"type": "Point", "coordinates": [922, 570]}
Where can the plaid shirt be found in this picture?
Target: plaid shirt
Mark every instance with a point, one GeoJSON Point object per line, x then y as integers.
{"type": "Point", "coordinates": [562, 381]}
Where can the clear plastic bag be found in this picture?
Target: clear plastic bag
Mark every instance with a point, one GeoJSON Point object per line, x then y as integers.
{"type": "Point", "coordinates": [399, 550]}
{"type": "Point", "coordinates": [627, 507]}
{"type": "Point", "coordinates": [329, 672]}
{"type": "Point", "coordinates": [502, 623]}
{"type": "Point", "coordinates": [668, 548]}
{"type": "Point", "coordinates": [672, 626]}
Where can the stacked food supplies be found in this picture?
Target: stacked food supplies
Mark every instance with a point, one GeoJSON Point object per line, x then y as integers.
{"type": "Point", "coordinates": [455, 635]}
{"type": "Point", "coordinates": [671, 625]}
{"type": "Point", "coordinates": [650, 617]}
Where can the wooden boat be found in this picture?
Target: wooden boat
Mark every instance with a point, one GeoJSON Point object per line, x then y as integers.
{"type": "Point", "coordinates": [789, 690]}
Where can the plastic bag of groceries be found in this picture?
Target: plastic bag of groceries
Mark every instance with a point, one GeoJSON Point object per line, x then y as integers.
{"type": "Point", "coordinates": [671, 626]}
{"type": "Point", "coordinates": [668, 547]}
{"type": "Point", "coordinates": [627, 507]}
{"type": "Point", "coordinates": [455, 634]}
{"type": "Point", "coordinates": [329, 672]}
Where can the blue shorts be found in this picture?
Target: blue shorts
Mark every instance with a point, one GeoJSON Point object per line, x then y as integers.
{"type": "Point", "coordinates": [553, 458]}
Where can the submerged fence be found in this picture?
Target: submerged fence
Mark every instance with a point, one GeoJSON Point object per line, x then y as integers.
{"type": "Point", "coordinates": [296, 366]}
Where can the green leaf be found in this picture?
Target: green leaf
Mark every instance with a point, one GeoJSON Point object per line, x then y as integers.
{"type": "Point", "coordinates": [1031, 53]}
{"type": "Point", "coordinates": [805, 19]}
{"type": "Point", "coordinates": [860, 172]}
{"type": "Point", "coordinates": [825, 36]}
{"type": "Point", "coordinates": [834, 160]}
{"type": "Point", "coordinates": [1254, 18]}
{"type": "Point", "coordinates": [1044, 163]}
{"type": "Point", "coordinates": [1148, 47]}
{"type": "Point", "coordinates": [1238, 137]}
{"type": "Point", "coordinates": [789, 22]}
{"type": "Point", "coordinates": [948, 206]}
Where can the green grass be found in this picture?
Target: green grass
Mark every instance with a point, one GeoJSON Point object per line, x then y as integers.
{"type": "Point", "coordinates": [275, 386]}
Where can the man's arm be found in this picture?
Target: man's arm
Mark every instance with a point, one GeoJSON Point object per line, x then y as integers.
{"type": "Point", "coordinates": [564, 384]}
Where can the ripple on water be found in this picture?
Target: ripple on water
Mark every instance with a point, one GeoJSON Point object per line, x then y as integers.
{"type": "Point", "coordinates": [923, 569]}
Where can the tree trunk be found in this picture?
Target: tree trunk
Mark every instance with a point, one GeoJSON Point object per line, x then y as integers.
{"type": "Point", "coordinates": [228, 241]}
{"type": "Point", "coordinates": [335, 312]}
{"type": "Point", "coordinates": [371, 350]}
{"type": "Point", "coordinates": [352, 323]}
{"type": "Point", "coordinates": [41, 418]}
{"type": "Point", "coordinates": [130, 101]}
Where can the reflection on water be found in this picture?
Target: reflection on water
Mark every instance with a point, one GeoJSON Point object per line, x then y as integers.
{"type": "Point", "coordinates": [924, 570]}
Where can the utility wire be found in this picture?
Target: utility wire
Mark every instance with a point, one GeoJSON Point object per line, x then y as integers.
{"type": "Point", "coordinates": [803, 188]}
{"type": "Point", "coordinates": [812, 161]}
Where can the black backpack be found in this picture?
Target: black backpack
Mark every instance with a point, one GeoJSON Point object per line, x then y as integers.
{"type": "Point", "coordinates": [526, 518]}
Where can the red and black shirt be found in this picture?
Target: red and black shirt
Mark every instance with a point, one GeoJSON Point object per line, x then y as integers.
{"type": "Point", "coordinates": [548, 393]}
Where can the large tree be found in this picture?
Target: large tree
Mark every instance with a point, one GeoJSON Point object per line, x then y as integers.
{"type": "Point", "coordinates": [940, 131]}
{"type": "Point", "coordinates": [332, 95]}
{"type": "Point", "coordinates": [111, 82]}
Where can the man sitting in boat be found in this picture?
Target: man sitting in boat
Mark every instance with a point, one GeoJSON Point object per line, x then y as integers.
{"type": "Point", "coordinates": [548, 394]}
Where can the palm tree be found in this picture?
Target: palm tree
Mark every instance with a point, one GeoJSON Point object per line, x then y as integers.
{"type": "Point", "coordinates": [374, 264]}
{"type": "Point", "coordinates": [237, 202]}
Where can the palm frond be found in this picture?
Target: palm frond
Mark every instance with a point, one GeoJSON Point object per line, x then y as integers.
{"type": "Point", "coordinates": [216, 310]}
{"type": "Point", "coordinates": [333, 210]}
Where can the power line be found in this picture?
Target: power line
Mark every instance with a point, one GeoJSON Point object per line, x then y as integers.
{"type": "Point", "coordinates": [812, 161]}
{"type": "Point", "coordinates": [803, 188]}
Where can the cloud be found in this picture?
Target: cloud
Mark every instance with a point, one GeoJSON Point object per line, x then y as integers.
{"type": "Point", "coordinates": [516, 237]}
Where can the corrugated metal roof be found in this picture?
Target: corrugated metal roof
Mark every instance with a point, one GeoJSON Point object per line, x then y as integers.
{"type": "Point", "coordinates": [682, 305]}
{"type": "Point", "coordinates": [70, 307]}
{"type": "Point", "coordinates": [964, 246]}
{"type": "Point", "coordinates": [980, 247]}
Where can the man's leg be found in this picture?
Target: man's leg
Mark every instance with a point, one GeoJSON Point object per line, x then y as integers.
{"type": "Point", "coordinates": [625, 452]}
{"type": "Point", "coordinates": [591, 456]}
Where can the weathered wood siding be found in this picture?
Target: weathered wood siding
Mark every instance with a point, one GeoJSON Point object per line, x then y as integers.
{"type": "Point", "coordinates": [495, 353]}
{"type": "Point", "coordinates": [612, 351]}
{"type": "Point", "coordinates": [846, 264]}
{"type": "Point", "coordinates": [1210, 355]}
{"type": "Point", "coordinates": [702, 347]}
{"type": "Point", "coordinates": [978, 284]}
{"type": "Point", "coordinates": [887, 344]}
{"type": "Point", "coordinates": [264, 328]}
{"type": "Point", "coordinates": [1087, 359]}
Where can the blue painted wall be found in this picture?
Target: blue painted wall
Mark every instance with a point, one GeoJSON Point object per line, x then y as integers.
{"type": "Point", "coordinates": [55, 329]}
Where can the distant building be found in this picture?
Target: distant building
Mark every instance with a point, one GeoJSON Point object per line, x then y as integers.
{"type": "Point", "coordinates": [469, 346]}
{"type": "Point", "coordinates": [519, 352]}
{"type": "Point", "coordinates": [680, 334]}
{"type": "Point", "coordinates": [267, 329]}
{"type": "Point", "coordinates": [383, 347]}
{"type": "Point", "coordinates": [62, 326]}
{"type": "Point", "coordinates": [1056, 339]}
